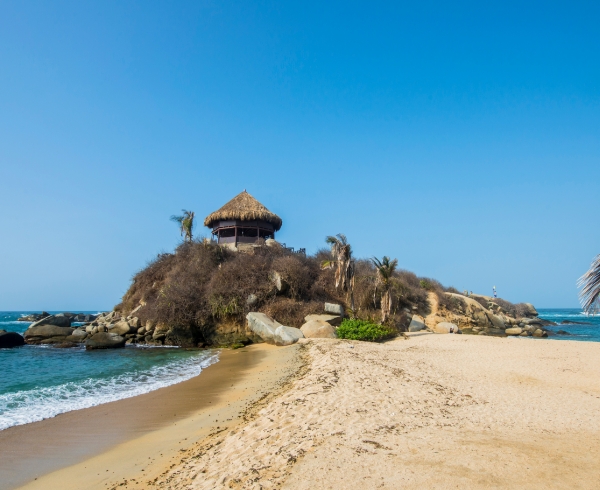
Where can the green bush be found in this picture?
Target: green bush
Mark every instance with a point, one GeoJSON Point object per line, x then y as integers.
{"type": "Point", "coordinates": [363, 330]}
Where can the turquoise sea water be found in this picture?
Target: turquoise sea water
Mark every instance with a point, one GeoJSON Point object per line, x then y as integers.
{"type": "Point", "coordinates": [39, 382]}
{"type": "Point", "coordinates": [587, 328]}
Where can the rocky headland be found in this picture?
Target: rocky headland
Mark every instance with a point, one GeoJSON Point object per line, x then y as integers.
{"type": "Point", "coordinates": [203, 295]}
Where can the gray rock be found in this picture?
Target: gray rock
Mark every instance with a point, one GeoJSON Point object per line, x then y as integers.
{"type": "Point", "coordinates": [79, 333]}
{"type": "Point", "coordinates": [334, 309]}
{"type": "Point", "coordinates": [263, 326]}
{"type": "Point", "coordinates": [251, 300]}
{"type": "Point", "coordinates": [540, 333]}
{"type": "Point", "coordinates": [514, 331]}
{"type": "Point", "coordinates": [530, 310]}
{"type": "Point", "coordinates": [446, 327]}
{"type": "Point", "coordinates": [333, 320]}
{"type": "Point", "coordinates": [47, 334]}
{"type": "Point", "coordinates": [120, 328]}
{"type": "Point", "coordinates": [496, 321]}
{"type": "Point", "coordinates": [135, 322]}
{"type": "Point", "coordinates": [141, 330]}
{"type": "Point", "coordinates": [287, 335]}
{"type": "Point", "coordinates": [10, 339]}
{"type": "Point", "coordinates": [416, 324]}
{"type": "Point", "coordinates": [56, 320]}
{"type": "Point", "coordinates": [104, 340]}
{"type": "Point", "coordinates": [317, 329]}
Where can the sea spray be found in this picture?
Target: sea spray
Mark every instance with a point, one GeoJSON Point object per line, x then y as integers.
{"type": "Point", "coordinates": [25, 406]}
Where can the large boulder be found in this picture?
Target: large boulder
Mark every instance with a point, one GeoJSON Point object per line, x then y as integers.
{"type": "Point", "coordinates": [47, 334]}
{"type": "Point", "coordinates": [104, 340]}
{"type": "Point", "coordinates": [263, 326]}
{"type": "Point", "coordinates": [333, 320]}
{"type": "Point", "coordinates": [446, 327]}
{"type": "Point", "coordinates": [10, 339]}
{"type": "Point", "coordinates": [496, 321]}
{"type": "Point", "coordinates": [317, 329]}
{"type": "Point", "coordinates": [334, 309]}
{"type": "Point", "coordinates": [80, 334]}
{"type": "Point", "coordinates": [121, 328]}
{"type": "Point", "coordinates": [514, 331]}
{"type": "Point", "coordinates": [56, 320]}
{"type": "Point", "coordinates": [287, 335]}
{"type": "Point", "coordinates": [417, 323]}
{"type": "Point", "coordinates": [529, 310]}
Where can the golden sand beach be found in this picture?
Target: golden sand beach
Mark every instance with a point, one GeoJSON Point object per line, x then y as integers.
{"type": "Point", "coordinates": [431, 411]}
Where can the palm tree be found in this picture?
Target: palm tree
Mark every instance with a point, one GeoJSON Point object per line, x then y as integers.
{"type": "Point", "coordinates": [590, 284]}
{"type": "Point", "coordinates": [186, 224]}
{"type": "Point", "coordinates": [385, 269]}
{"type": "Point", "coordinates": [341, 259]}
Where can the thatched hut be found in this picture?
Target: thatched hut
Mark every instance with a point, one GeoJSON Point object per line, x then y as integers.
{"type": "Point", "coordinates": [243, 220]}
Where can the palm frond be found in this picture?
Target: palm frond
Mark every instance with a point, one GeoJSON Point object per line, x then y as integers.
{"type": "Point", "coordinates": [590, 286]}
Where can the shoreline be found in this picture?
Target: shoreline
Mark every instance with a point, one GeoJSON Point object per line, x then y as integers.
{"type": "Point", "coordinates": [427, 411]}
{"type": "Point", "coordinates": [94, 446]}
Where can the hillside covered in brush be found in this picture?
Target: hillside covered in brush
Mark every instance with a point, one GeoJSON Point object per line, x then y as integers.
{"type": "Point", "coordinates": [206, 291]}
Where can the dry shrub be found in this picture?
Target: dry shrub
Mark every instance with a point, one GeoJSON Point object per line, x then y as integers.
{"type": "Point", "coordinates": [202, 284]}
{"type": "Point", "coordinates": [290, 312]}
{"type": "Point", "coordinates": [298, 272]}
{"type": "Point", "coordinates": [409, 292]}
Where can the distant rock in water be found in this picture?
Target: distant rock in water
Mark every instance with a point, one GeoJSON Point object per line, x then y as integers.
{"type": "Point", "coordinates": [563, 332]}
{"type": "Point", "coordinates": [59, 320]}
{"type": "Point", "coordinates": [34, 317]}
{"type": "Point", "coordinates": [48, 334]}
{"type": "Point", "coordinates": [571, 322]}
{"type": "Point", "coordinates": [10, 339]}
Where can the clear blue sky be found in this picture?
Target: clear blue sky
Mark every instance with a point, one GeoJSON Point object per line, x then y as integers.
{"type": "Point", "coordinates": [459, 137]}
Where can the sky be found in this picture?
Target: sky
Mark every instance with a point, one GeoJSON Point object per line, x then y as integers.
{"type": "Point", "coordinates": [460, 137]}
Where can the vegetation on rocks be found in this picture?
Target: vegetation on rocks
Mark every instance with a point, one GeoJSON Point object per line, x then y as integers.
{"type": "Point", "coordinates": [205, 290]}
{"type": "Point", "coordinates": [202, 293]}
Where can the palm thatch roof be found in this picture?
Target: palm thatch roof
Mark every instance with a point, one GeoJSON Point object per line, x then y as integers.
{"type": "Point", "coordinates": [243, 207]}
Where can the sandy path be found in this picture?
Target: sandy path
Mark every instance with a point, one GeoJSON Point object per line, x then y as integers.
{"type": "Point", "coordinates": [431, 320]}
{"type": "Point", "coordinates": [434, 411]}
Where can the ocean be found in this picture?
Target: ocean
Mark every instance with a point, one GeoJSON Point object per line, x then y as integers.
{"type": "Point", "coordinates": [587, 328]}
{"type": "Point", "coordinates": [39, 382]}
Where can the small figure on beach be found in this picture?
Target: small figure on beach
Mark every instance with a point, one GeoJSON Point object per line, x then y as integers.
{"type": "Point", "coordinates": [495, 293]}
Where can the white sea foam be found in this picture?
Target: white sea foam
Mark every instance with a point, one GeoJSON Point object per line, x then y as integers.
{"type": "Point", "coordinates": [24, 407]}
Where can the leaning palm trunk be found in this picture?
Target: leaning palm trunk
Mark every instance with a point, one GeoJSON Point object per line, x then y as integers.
{"type": "Point", "coordinates": [341, 253]}
{"type": "Point", "coordinates": [386, 305]}
{"type": "Point", "coordinates": [590, 284]}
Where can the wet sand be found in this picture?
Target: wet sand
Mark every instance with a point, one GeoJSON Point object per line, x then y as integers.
{"type": "Point", "coordinates": [97, 446]}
